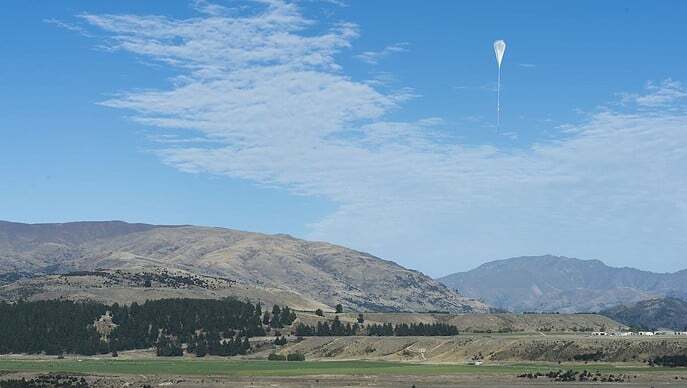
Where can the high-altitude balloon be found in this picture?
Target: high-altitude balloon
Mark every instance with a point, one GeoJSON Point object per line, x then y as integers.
{"type": "Point", "coordinates": [499, 50]}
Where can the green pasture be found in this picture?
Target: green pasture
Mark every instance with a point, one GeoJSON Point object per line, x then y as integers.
{"type": "Point", "coordinates": [209, 367]}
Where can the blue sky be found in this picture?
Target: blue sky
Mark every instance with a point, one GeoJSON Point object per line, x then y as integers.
{"type": "Point", "coordinates": [369, 124]}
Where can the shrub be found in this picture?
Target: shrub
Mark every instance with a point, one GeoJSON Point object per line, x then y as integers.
{"type": "Point", "coordinates": [589, 356]}
{"type": "Point", "coordinates": [295, 357]}
{"type": "Point", "coordinates": [276, 357]}
{"type": "Point", "coordinates": [671, 361]}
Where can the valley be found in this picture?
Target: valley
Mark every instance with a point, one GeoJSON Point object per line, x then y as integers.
{"type": "Point", "coordinates": [137, 269]}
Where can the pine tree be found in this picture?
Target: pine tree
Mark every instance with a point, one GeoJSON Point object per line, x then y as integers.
{"type": "Point", "coordinates": [276, 317]}
{"type": "Point", "coordinates": [245, 346]}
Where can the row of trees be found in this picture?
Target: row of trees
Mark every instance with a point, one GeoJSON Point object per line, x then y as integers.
{"type": "Point", "coordinates": [671, 361]}
{"type": "Point", "coordinates": [413, 329]}
{"type": "Point", "coordinates": [324, 329]}
{"type": "Point", "coordinates": [50, 326]}
{"type": "Point", "coordinates": [280, 317]}
{"type": "Point", "coordinates": [217, 327]}
{"type": "Point", "coordinates": [339, 329]}
{"type": "Point", "coordinates": [213, 344]}
{"type": "Point", "coordinates": [54, 327]}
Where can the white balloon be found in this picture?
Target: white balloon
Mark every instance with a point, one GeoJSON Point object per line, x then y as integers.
{"type": "Point", "coordinates": [499, 49]}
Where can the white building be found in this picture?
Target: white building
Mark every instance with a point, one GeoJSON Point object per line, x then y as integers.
{"type": "Point", "coordinates": [623, 333]}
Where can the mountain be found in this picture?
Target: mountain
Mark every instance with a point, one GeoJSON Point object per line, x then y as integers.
{"type": "Point", "coordinates": [119, 262]}
{"type": "Point", "coordinates": [663, 313]}
{"type": "Point", "coordinates": [553, 283]}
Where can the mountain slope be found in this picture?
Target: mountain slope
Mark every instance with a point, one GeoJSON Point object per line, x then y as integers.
{"type": "Point", "coordinates": [318, 273]}
{"type": "Point", "coordinates": [42, 247]}
{"type": "Point", "coordinates": [552, 283]}
{"type": "Point", "coordinates": [664, 313]}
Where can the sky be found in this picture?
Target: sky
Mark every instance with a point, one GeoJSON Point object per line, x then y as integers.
{"type": "Point", "coordinates": [367, 124]}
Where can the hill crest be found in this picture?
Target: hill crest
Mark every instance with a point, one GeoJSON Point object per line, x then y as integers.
{"type": "Point", "coordinates": [556, 283]}
{"type": "Point", "coordinates": [318, 273]}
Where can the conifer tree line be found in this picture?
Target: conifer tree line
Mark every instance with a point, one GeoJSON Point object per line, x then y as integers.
{"type": "Point", "coordinates": [220, 327]}
{"type": "Point", "coordinates": [205, 326]}
{"type": "Point", "coordinates": [413, 329]}
{"type": "Point", "coordinates": [337, 328]}
{"type": "Point", "coordinates": [279, 318]}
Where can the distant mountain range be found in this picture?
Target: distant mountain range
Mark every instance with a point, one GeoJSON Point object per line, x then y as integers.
{"type": "Point", "coordinates": [552, 283]}
{"type": "Point", "coordinates": [664, 313]}
{"type": "Point", "coordinates": [115, 261]}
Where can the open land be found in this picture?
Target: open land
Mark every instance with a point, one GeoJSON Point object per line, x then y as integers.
{"type": "Point", "coordinates": [377, 361]}
{"type": "Point", "coordinates": [258, 373]}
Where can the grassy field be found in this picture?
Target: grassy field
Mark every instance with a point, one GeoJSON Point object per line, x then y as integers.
{"type": "Point", "coordinates": [210, 367]}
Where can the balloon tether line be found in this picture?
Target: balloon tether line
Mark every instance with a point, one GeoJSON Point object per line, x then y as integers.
{"type": "Point", "coordinates": [498, 100]}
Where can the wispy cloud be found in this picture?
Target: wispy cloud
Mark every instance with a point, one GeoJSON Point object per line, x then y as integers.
{"type": "Point", "coordinates": [283, 113]}
{"type": "Point", "coordinates": [527, 65]}
{"type": "Point", "coordinates": [209, 8]}
{"type": "Point", "coordinates": [373, 57]}
{"type": "Point", "coordinates": [663, 94]}
{"type": "Point", "coordinates": [68, 26]}
{"type": "Point", "coordinates": [175, 139]}
{"type": "Point", "coordinates": [334, 2]}
{"type": "Point", "coordinates": [489, 87]}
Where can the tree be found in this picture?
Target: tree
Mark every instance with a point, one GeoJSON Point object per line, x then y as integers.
{"type": "Point", "coordinates": [201, 348]}
{"type": "Point", "coordinates": [280, 341]}
{"type": "Point", "coordinates": [168, 347]}
{"type": "Point", "coordinates": [339, 308]}
{"type": "Point", "coordinates": [245, 346]}
{"type": "Point", "coordinates": [276, 315]}
{"type": "Point", "coordinates": [337, 328]}
{"type": "Point", "coordinates": [287, 316]}
{"type": "Point", "coordinates": [319, 312]}
{"type": "Point", "coordinates": [361, 319]}
{"type": "Point", "coordinates": [303, 330]}
{"type": "Point", "coordinates": [266, 318]}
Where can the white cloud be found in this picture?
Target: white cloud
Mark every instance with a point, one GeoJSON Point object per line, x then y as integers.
{"type": "Point", "coordinates": [206, 7]}
{"type": "Point", "coordinates": [663, 95]}
{"type": "Point", "coordinates": [373, 57]}
{"type": "Point", "coordinates": [268, 92]}
{"type": "Point", "coordinates": [68, 26]}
